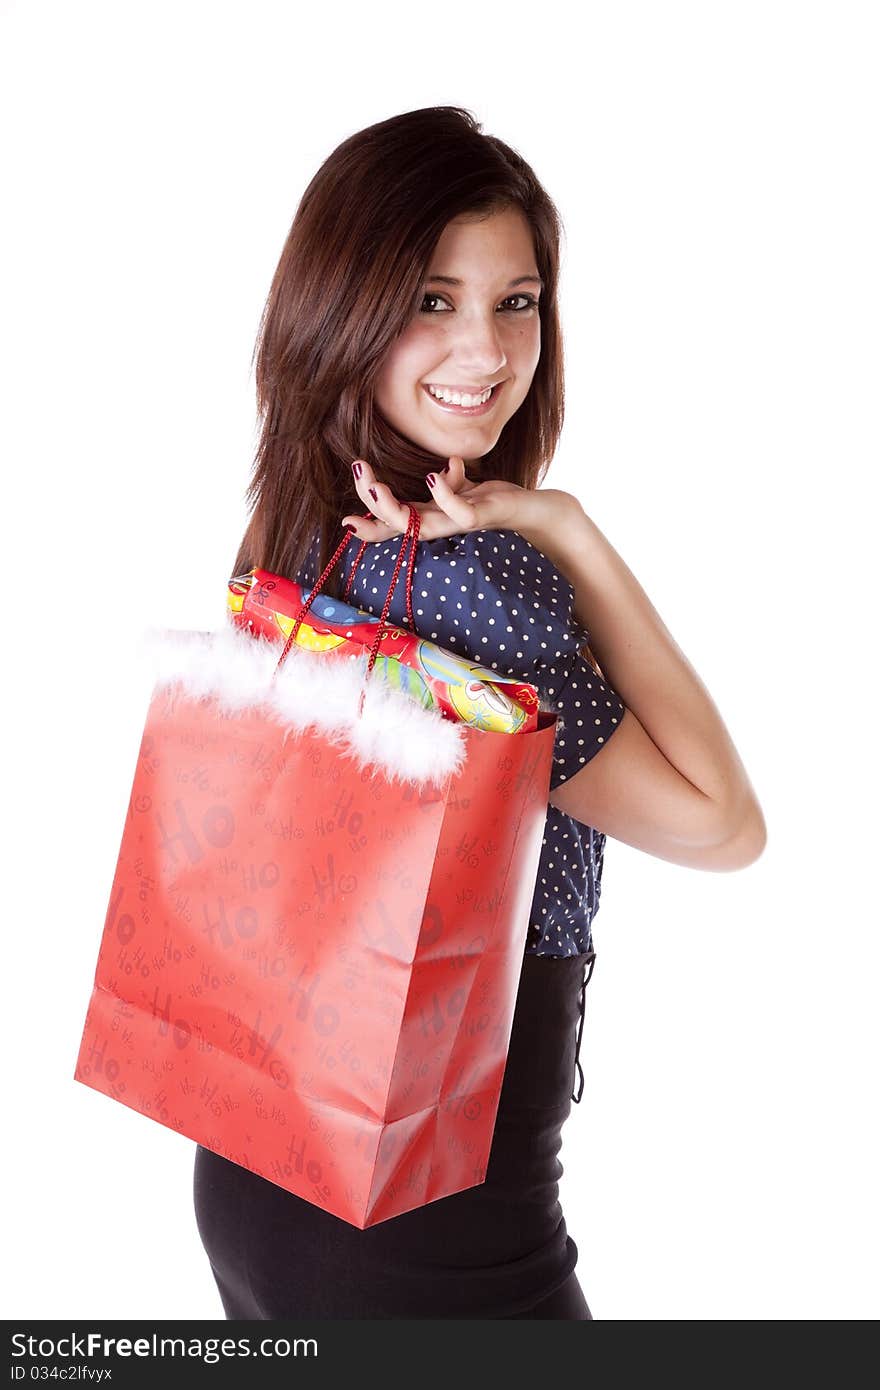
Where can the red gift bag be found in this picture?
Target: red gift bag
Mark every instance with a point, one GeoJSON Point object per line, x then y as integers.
{"type": "Point", "coordinates": [316, 927]}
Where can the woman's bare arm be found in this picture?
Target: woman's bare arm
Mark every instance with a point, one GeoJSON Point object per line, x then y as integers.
{"type": "Point", "coordinates": [672, 782]}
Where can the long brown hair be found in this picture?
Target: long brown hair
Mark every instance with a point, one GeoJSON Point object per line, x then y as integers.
{"type": "Point", "coordinates": [346, 286]}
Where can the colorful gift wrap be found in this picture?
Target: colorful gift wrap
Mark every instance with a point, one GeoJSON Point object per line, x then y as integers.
{"type": "Point", "coordinates": [269, 604]}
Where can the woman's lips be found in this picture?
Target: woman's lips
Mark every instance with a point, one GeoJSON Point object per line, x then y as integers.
{"type": "Point", "coordinates": [469, 409]}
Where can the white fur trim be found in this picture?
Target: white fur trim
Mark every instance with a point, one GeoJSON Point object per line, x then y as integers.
{"type": "Point", "coordinates": [395, 733]}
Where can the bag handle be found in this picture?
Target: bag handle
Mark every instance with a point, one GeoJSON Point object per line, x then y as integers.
{"type": "Point", "coordinates": [411, 538]}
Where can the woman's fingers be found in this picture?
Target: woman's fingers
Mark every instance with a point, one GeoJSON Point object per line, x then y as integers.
{"type": "Point", "coordinates": [455, 474]}
{"type": "Point", "coordinates": [367, 528]}
{"type": "Point", "coordinates": [388, 517]}
{"type": "Point", "coordinates": [391, 516]}
{"type": "Point", "coordinates": [446, 489]}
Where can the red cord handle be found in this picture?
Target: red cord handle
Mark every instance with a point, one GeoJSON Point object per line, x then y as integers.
{"type": "Point", "coordinates": [411, 539]}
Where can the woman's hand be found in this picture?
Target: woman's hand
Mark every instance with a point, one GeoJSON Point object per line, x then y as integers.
{"type": "Point", "coordinates": [460, 505]}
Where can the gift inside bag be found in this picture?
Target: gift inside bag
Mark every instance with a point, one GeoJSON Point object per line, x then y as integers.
{"type": "Point", "coordinates": [315, 932]}
{"type": "Point", "coordinates": [269, 605]}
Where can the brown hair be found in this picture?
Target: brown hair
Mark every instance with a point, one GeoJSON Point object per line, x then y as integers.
{"type": "Point", "coordinates": [346, 286]}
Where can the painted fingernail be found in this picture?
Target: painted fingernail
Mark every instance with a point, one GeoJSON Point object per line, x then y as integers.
{"type": "Point", "coordinates": [373, 494]}
{"type": "Point", "coordinates": [431, 480]}
{"type": "Point", "coordinates": [357, 468]}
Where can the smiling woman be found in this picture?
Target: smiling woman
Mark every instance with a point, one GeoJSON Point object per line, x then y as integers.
{"type": "Point", "coordinates": [411, 346]}
{"type": "Point", "coordinates": [412, 327]}
{"type": "Point", "coordinates": [463, 366]}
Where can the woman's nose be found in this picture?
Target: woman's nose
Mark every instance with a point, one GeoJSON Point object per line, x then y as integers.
{"type": "Point", "coordinates": [479, 348]}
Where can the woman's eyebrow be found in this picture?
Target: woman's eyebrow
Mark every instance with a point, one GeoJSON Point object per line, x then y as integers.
{"type": "Point", "coordinates": [522, 280]}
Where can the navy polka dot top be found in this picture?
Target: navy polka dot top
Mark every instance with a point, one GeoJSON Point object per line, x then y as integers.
{"type": "Point", "coordinates": [494, 598]}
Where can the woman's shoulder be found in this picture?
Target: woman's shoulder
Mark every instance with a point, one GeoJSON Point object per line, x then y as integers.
{"type": "Point", "coordinates": [503, 561]}
{"type": "Point", "coordinates": [497, 593]}
{"type": "Point", "coordinates": [503, 553]}
{"type": "Point", "coordinates": [473, 578]}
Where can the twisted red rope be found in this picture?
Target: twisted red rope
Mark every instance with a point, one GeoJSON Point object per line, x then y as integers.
{"type": "Point", "coordinates": [411, 539]}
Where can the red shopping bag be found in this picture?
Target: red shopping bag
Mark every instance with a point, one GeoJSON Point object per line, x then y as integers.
{"type": "Point", "coordinates": [315, 931]}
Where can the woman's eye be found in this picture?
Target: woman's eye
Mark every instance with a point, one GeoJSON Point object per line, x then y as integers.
{"type": "Point", "coordinates": [530, 303]}
{"type": "Point", "coordinates": [435, 297]}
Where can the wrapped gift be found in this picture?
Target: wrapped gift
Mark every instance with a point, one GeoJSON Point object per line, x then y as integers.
{"type": "Point", "coordinates": [268, 605]}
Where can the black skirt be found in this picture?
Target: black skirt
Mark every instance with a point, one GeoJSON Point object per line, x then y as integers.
{"type": "Point", "coordinates": [499, 1250]}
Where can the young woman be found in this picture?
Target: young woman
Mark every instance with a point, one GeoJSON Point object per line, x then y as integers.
{"type": "Point", "coordinates": [410, 354]}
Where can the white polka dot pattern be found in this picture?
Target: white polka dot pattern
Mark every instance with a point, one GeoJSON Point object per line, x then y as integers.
{"type": "Point", "coordinates": [494, 597]}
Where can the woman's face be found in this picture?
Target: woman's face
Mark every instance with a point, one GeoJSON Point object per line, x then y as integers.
{"type": "Point", "coordinates": [482, 331]}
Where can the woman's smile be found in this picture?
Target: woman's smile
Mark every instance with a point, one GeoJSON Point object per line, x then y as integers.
{"type": "Point", "coordinates": [456, 408]}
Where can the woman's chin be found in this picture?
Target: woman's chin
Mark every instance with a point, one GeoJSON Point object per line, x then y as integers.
{"type": "Point", "coordinates": [469, 441]}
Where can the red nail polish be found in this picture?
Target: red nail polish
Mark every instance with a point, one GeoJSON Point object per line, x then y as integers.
{"type": "Point", "coordinates": [357, 469]}
{"type": "Point", "coordinates": [430, 480]}
{"type": "Point", "coordinates": [373, 494]}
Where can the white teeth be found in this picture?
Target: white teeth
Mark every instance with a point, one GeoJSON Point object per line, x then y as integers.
{"type": "Point", "coordinates": [456, 398]}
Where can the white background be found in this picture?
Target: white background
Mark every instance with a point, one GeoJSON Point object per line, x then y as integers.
{"type": "Point", "coordinates": [715, 165]}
